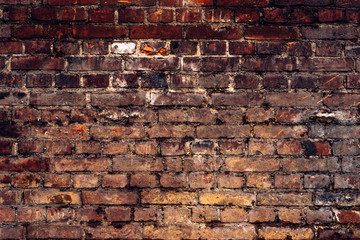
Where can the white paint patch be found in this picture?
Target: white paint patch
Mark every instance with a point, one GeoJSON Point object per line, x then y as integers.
{"type": "Point", "coordinates": [123, 47]}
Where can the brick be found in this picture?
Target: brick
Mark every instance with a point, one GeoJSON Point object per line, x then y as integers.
{"type": "Point", "coordinates": [202, 147]}
{"type": "Point", "coordinates": [286, 199]}
{"type": "Point", "coordinates": [275, 81]}
{"type": "Point", "coordinates": [219, 15]}
{"type": "Point", "coordinates": [260, 147]}
{"type": "Point", "coordinates": [5, 31]}
{"type": "Point", "coordinates": [198, 180]}
{"type": "Point", "coordinates": [71, 2]}
{"type": "Point", "coordinates": [347, 216]}
{"type": "Point", "coordinates": [346, 3]}
{"type": "Point", "coordinates": [41, 31]}
{"type": "Point", "coordinates": [236, 99]}
{"type": "Point", "coordinates": [205, 214]}
{"type": "Point", "coordinates": [208, 32]}
{"type": "Point", "coordinates": [128, 15]}
{"type": "Point", "coordinates": [299, 49]}
{"type": "Point", "coordinates": [273, 131]}
{"type": "Point", "coordinates": [234, 198]}
{"type": "Point", "coordinates": [259, 115]}
{"type": "Point", "coordinates": [113, 132]}
{"type": "Point", "coordinates": [181, 99]}
{"type": "Point", "coordinates": [130, 231]}
{"type": "Point", "coordinates": [33, 164]}
{"type": "Point", "coordinates": [233, 215]}
{"type": "Point", "coordinates": [98, 31]}
{"type": "Point", "coordinates": [66, 48]}
{"type": "Point", "coordinates": [230, 181]}
{"type": "Point", "coordinates": [138, 164]}
{"type": "Point", "coordinates": [182, 81]}
{"type": "Point", "coordinates": [346, 181]}
{"type": "Point", "coordinates": [266, 32]}
{"type": "Point", "coordinates": [105, 15]}
{"type": "Point", "coordinates": [168, 197]}
{"type": "Point", "coordinates": [37, 197]}
{"type": "Point", "coordinates": [178, 131]}
{"type": "Point", "coordinates": [129, 3]}
{"type": "Point", "coordinates": [67, 81]}
{"type": "Point", "coordinates": [160, 15]}
{"type": "Point", "coordinates": [243, 3]}
{"type": "Point", "coordinates": [316, 181]}
{"type": "Point", "coordinates": [26, 180]}
{"type": "Point", "coordinates": [166, 232]}
{"type": "Point", "coordinates": [303, 81]}
{"type": "Point", "coordinates": [344, 99]}
{"type": "Point", "coordinates": [329, 32]}
{"type": "Point", "coordinates": [284, 232]}
{"type": "Point", "coordinates": [10, 47]}
{"type": "Point", "coordinates": [353, 16]}
{"type": "Point", "coordinates": [118, 99]}
{"type": "Point", "coordinates": [247, 81]}
{"type": "Point", "coordinates": [183, 47]}
{"type": "Point", "coordinates": [290, 215]}
{"type": "Point", "coordinates": [15, 13]}
{"type": "Point", "coordinates": [37, 63]}
{"type": "Point", "coordinates": [247, 15]}
{"type": "Point", "coordinates": [95, 46]}
{"type": "Point", "coordinates": [293, 99]}
{"type": "Point", "coordinates": [150, 32]}
{"type": "Point", "coordinates": [72, 14]}
{"type": "Point", "coordinates": [57, 181]}
{"type": "Point", "coordinates": [303, 15]}
{"type": "Point", "coordinates": [167, 63]}
{"type": "Point", "coordinates": [80, 165]}
{"type": "Point", "coordinates": [330, 15]}
{"type": "Point", "coordinates": [114, 181]}
{"type": "Point", "coordinates": [12, 232]}
{"type": "Point", "coordinates": [7, 214]}
{"type": "Point", "coordinates": [196, 164]}
{"type": "Point", "coordinates": [26, 115]}
{"type": "Point", "coordinates": [43, 14]}
{"type": "Point", "coordinates": [230, 116]}
{"type": "Point", "coordinates": [114, 214]}
{"type": "Point", "coordinates": [231, 147]}
{"type": "Point", "coordinates": [288, 148]}
{"type": "Point", "coordinates": [39, 80]}
{"type": "Point", "coordinates": [87, 215]}
{"type": "Point", "coordinates": [239, 164]}
{"type": "Point", "coordinates": [143, 180]}
{"type": "Point", "coordinates": [270, 48]}
{"type": "Point", "coordinates": [259, 215]}
{"type": "Point", "coordinates": [269, 64]}
{"type": "Point", "coordinates": [277, 15]}
{"type": "Point", "coordinates": [5, 180]}
{"type": "Point", "coordinates": [109, 197]}
{"type": "Point", "coordinates": [241, 48]}
{"type": "Point", "coordinates": [176, 215]}
{"type": "Point", "coordinates": [59, 214]}
{"type": "Point", "coordinates": [173, 180]}
{"type": "Point", "coordinates": [213, 48]}
{"type": "Point", "coordinates": [310, 165]}
{"type": "Point", "coordinates": [288, 181]}
{"type": "Point", "coordinates": [228, 131]}
{"type": "Point", "coordinates": [208, 64]}
{"type": "Point", "coordinates": [65, 132]}
{"type": "Point", "coordinates": [145, 214]}
{"type": "Point", "coordinates": [54, 231]}
{"type": "Point", "coordinates": [85, 181]}
{"type": "Point", "coordinates": [94, 64]}
{"type": "Point", "coordinates": [241, 231]}
{"type": "Point", "coordinates": [31, 214]}
{"type": "Point", "coordinates": [345, 148]}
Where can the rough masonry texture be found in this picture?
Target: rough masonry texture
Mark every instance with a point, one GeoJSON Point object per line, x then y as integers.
{"type": "Point", "coordinates": [179, 119]}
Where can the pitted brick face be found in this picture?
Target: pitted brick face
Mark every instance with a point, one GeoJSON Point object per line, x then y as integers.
{"type": "Point", "coordinates": [179, 119]}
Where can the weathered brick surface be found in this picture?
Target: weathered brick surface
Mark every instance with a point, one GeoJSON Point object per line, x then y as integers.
{"type": "Point", "coordinates": [179, 119]}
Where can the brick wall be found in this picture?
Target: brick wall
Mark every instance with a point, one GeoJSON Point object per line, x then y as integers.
{"type": "Point", "coordinates": [179, 119]}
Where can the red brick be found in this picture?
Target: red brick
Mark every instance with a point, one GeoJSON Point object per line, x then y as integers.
{"type": "Point", "coordinates": [130, 231]}
{"type": "Point", "coordinates": [199, 180]}
{"type": "Point", "coordinates": [156, 196]}
{"type": "Point", "coordinates": [329, 32]}
{"type": "Point", "coordinates": [240, 164]}
{"type": "Point", "coordinates": [5, 31]}
{"type": "Point", "coordinates": [233, 215]}
{"type": "Point", "coordinates": [114, 181]}
{"type": "Point", "coordinates": [277, 15]}
{"type": "Point", "coordinates": [269, 32]}
{"type": "Point", "coordinates": [208, 32]}
{"type": "Point", "coordinates": [31, 214]}
{"type": "Point", "coordinates": [269, 64]}
{"type": "Point", "coordinates": [7, 214]}
{"type": "Point", "coordinates": [247, 15]}
{"type": "Point", "coordinates": [230, 181]}
{"type": "Point", "coordinates": [162, 32]}
{"type": "Point", "coordinates": [171, 3]}
{"type": "Point", "coordinates": [15, 13]}
{"type": "Point", "coordinates": [54, 231]}
{"type": "Point", "coordinates": [10, 47]}
{"type": "Point", "coordinates": [12, 232]}
{"type": "Point", "coordinates": [143, 180]}
{"type": "Point", "coordinates": [176, 215]}
{"type": "Point", "coordinates": [288, 181]}
{"type": "Point", "coordinates": [299, 49]}
{"type": "Point", "coordinates": [138, 164]}
{"type": "Point", "coordinates": [316, 181]}
{"type": "Point", "coordinates": [43, 13]}
{"type": "Point", "coordinates": [57, 180]}
{"type": "Point", "coordinates": [288, 147]}
{"type": "Point", "coordinates": [275, 81]}
{"type": "Point", "coordinates": [145, 214]}
{"type": "Point", "coordinates": [205, 214]}
{"type": "Point", "coordinates": [72, 14]}
{"type": "Point", "coordinates": [59, 214]}
{"type": "Point", "coordinates": [348, 216]}
{"type": "Point", "coordinates": [286, 199]}
{"type": "Point", "coordinates": [232, 147]}
{"type": "Point", "coordinates": [38, 46]}
{"type": "Point", "coordinates": [116, 214]}
{"type": "Point", "coordinates": [98, 31]}
{"type": "Point", "coordinates": [94, 64]}
{"type": "Point", "coordinates": [346, 181]}
{"type": "Point", "coordinates": [261, 147]}
{"type": "Point", "coordinates": [71, 2]}
{"type": "Point", "coordinates": [273, 131]}
{"type": "Point", "coordinates": [213, 48]}
{"type": "Point", "coordinates": [173, 180]}
{"type": "Point", "coordinates": [109, 197]}
{"type": "Point", "coordinates": [330, 15]}
{"type": "Point", "coordinates": [236, 99]}
{"type": "Point", "coordinates": [39, 80]}
{"type": "Point", "coordinates": [228, 232]}
{"type": "Point", "coordinates": [37, 63]}
{"type": "Point", "coordinates": [347, 3]}
{"type": "Point", "coordinates": [160, 15]}
{"type": "Point", "coordinates": [303, 15]}
{"type": "Point", "coordinates": [130, 2]}
{"type": "Point", "coordinates": [262, 215]}
{"type": "Point", "coordinates": [85, 181]}
{"type": "Point", "coordinates": [352, 16]}
{"type": "Point", "coordinates": [317, 148]}
{"type": "Point", "coordinates": [33, 164]}
{"type": "Point", "coordinates": [219, 15]}
{"type": "Point", "coordinates": [66, 48]}
{"type": "Point", "coordinates": [131, 15]}
{"type": "Point", "coordinates": [26, 180]}
{"type": "Point", "coordinates": [87, 214]}
{"type": "Point", "coordinates": [105, 15]}
{"type": "Point", "coordinates": [284, 232]}
{"type": "Point", "coordinates": [290, 215]}
{"type": "Point", "coordinates": [242, 3]}
{"type": "Point", "coordinates": [172, 149]}
{"type": "Point", "coordinates": [78, 165]}
{"type": "Point", "coordinates": [5, 180]}
{"type": "Point", "coordinates": [166, 232]}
